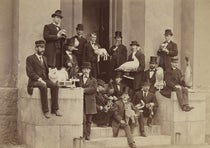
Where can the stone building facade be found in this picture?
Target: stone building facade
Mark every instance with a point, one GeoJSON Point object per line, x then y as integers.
{"type": "Point", "coordinates": [22, 23]}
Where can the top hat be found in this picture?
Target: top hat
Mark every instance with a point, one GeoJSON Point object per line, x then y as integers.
{"type": "Point", "coordinates": [86, 65]}
{"type": "Point", "coordinates": [174, 60]}
{"type": "Point", "coordinates": [80, 27]}
{"type": "Point", "coordinates": [168, 32]}
{"type": "Point", "coordinates": [57, 13]}
{"type": "Point", "coordinates": [70, 42]}
{"type": "Point", "coordinates": [118, 34]}
{"type": "Point", "coordinates": [39, 42]}
{"type": "Point", "coordinates": [101, 82]}
{"type": "Point", "coordinates": [134, 43]}
{"type": "Point", "coordinates": [153, 60]}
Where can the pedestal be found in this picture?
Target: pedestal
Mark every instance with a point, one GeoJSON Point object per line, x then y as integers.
{"type": "Point", "coordinates": [184, 127]}
{"type": "Point", "coordinates": [57, 132]}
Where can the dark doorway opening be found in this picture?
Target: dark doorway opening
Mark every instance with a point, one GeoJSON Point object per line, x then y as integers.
{"type": "Point", "coordinates": [96, 19]}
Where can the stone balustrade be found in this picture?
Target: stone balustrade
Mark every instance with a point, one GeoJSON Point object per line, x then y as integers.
{"type": "Point", "coordinates": [57, 132]}
{"type": "Point", "coordinates": [184, 127]}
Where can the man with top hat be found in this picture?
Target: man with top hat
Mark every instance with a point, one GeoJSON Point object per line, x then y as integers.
{"type": "Point", "coordinates": [54, 37]}
{"type": "Point", "coordinates": [82, 41]}
{"type": "Point", "coordinates": [174, 82]}
{"type": "Point", "coordinates": [167, 50]}
{"type": "Point", "coordinates": [137, 54]}
{"type": "Point", "coordinates": [37, 71]}
{"type": "Point", "coordinates": [118, 52]}
{"type": "Point", "coordinates": [70, 60]}
{"type": "Point", "coordinates": [89, 84]}
{"type": "Point", "coordinates": [89, 54]}
{"type": "Point", "coordinates": [150, 73]}
{"type": "Point", "coordinates": [150, 108]}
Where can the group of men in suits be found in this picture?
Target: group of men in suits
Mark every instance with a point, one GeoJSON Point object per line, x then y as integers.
{"type": "Point", "coordinates": [138, 84]}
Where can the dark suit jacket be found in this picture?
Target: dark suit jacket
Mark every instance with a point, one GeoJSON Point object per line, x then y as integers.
{"type": "Point", "coordinates": [35, 70]}
{"type": "Point", "coordinates": [89, 95]}
{"type": "Point", "coordinates": [53, 43]}
{"type": "Point", "coordinates": [172, 78]}
{"type": "Point", "coordinates": [119, 56]}
{"type": "Point", "coordinates": [138, 75]}
{"type": "Point", "coordinates": [118, 113]}
{"type": "Point", "coordinates": [73, 61]}
{"type": "Point", "coordinates": [118, 93]}
{"type": "Point", "coordinates": [165, 59]}
{"type": "Point", "coordinates": [146, 76]}
{"type": "Point", "coordinates": [79, 53]}
{"type": "Point", "coordinates": [150, 98]}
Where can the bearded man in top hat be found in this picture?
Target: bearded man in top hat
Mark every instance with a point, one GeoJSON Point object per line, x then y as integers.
{"type": "Point", "coordinates": [118, 52]}
{"type": "Point", "coordinates": [37, 71]}
{"type": "Point", "coordinates": [54, 37]}
{"type": "Point", "coordinates": [167, 50]}
{"type": "Point", "coordinates": [137, 75]}
{"type": "Point", "coordinates": [82, 41]}
{"type": "Point", "coordinates": [174, 82]}
{"type": "Point", "coordinates": [150, 74]}
{"type": "Point", "coordinates": [89, 84]}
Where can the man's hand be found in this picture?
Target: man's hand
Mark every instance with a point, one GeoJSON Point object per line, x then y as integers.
{"type": "Point", "coordinates": [61, 32]}
{"type": "Point", "coordinates": [165, 50]}
{"type": "Point", "coordinates": [178, 86]}
{"type": "Point", "coordinates": [42, 81]}
{"type": "Point", "coordinates": [69, 64]}
{"type": "Point", "coordinates": [122, 122]}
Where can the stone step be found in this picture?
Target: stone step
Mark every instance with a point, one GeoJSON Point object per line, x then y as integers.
{"type": "Point", "coordinates": [12, 146]}
{"type": "Point", "coordinates": [102, 132]}
{"type": "Point", "coordinates": [111, 142]}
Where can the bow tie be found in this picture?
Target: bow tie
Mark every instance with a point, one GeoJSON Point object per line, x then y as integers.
{"type": "Point", "coordinates": [152, 70]}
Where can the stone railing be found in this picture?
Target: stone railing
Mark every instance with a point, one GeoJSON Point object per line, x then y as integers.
{"type": "Point", "coordinates": [57, 132]}
{"type": "Point", "coordinates": [184, 127]}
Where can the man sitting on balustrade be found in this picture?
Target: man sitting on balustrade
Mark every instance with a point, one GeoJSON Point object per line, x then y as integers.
{"type": "Point", "coordinates": [174, 82]}
{"type": "Point", "coordinates": [37, 71]}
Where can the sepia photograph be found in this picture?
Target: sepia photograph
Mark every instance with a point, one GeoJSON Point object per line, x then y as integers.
{"type": "Point", "coordinates": [105, 74]}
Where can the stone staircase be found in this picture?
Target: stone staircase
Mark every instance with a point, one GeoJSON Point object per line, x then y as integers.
{"type": "Point", "coordinates": [101, 137]}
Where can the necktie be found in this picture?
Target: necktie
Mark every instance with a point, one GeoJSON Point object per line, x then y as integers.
{"type": "Point", "coordinates": [41, 60]}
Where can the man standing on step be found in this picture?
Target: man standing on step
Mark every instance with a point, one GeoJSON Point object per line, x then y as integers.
{"type": "Point", "coordinates": [82, 41]}
{"type": "Point", "coordinates": [118, 122]}
{"type": "Point", "coordinates": [54, 37]}
{"type": "Point", "coordinates": [89, 84]}
{"type": "Point", "coordinates": [37, 71]}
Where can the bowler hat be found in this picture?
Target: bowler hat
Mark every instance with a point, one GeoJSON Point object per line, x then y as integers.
{"type": "Point", "coordinates": [168, 32]}
{"type": "Point", "coordinates": [80, 27]}
{"type": "Point", "coordinates": [70, 42]}
{"type": "Point", "coordinates": [134, 43]}
{"type": "Point", "coordinates": [153, 60]}
{"type": "Point", "coordinates": [86, 65]}
{"type": "Point", "coordinates": [118, 34]}
{"type": "Point", "coordinates": [39, 42]}
{"type": "Point", "coordinates": [101, 82]}
{"type": "Point", "coordinates": [57, 13]}
{"type": "Point", "coordinates": [174, 60]}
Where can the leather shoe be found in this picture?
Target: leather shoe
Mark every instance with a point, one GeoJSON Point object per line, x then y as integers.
{"type": "Point", "coordinates": [57, 113]}
{"type": "Point", "coordinates": [189, 108]}
{"type": "Point", "coordinates": [87, 138]}
{"type": "Point", "coordinates": [143, 134]}
{"type": "Point", "coordinates": [132, 145]}
{"type": "Point", "coordinates": [47, 115]}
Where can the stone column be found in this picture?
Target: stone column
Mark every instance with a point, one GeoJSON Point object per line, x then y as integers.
{"type": "Point", "coordinates": [72, 12]}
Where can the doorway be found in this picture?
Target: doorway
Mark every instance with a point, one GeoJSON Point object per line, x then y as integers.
{"type": "Point", "coordinates": [96, 19]}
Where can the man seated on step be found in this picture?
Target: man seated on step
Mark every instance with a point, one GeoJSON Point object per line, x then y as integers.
{"type": "Point", "coordinates": [118, 122]}
{"type": "Point", "coordinates": [150, 108]}
{"type": "Point", "coordinates": [174, 82]}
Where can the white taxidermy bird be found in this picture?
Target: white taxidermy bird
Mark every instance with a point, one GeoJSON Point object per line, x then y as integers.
{"type": "Point", "coordinates": [129, 66]}
{"type": "Point", "coordinates": [58, 75]}
{"type": "Point", "coordinates": [188, 74]}
{"type": "Point", "coordinates": [159, 78]}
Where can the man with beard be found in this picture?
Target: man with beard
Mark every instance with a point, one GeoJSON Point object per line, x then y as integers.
{"type": "Point", "coordinates": [37, 71]}
{"type": "Point", "coordinates": [54, 37]}
{"type": "Point", "coordinates": [150, 73]}
{"type": "Point", "coordinates": [82, 41]}
{"type": "Point", "coordinates": [118, 53]}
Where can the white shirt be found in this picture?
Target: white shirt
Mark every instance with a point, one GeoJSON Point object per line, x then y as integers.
{"type": "Point", "coordinates": [151, 73]}
{"type": "Point", "coordinates": [85, 78]}
{"type": "Point", "coordinates": [145, 93]}
{"type": "Point", "coordinates": [40, 58]}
